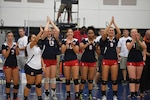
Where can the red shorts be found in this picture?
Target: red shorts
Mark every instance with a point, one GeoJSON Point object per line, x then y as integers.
{"type": "Point", "coordinates": [71, 63]}
{"type": "Point", "coordinates": [109, 62]}
{"type": "Point", "coordinates": [88, 64]}
{"type": "Point", "coordinates": [48, 62]}
{"type": "Point", "coordinates": [136, 64]}
{"type": "Point", "coordinates": [6, 67]}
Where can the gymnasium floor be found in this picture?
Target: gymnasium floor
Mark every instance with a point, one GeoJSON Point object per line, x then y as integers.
{"type": "Point", "coordinates": [123, 92]}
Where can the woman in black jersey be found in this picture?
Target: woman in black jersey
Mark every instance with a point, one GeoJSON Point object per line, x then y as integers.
{"type": "Point", "coordinates": [50, 51]}
{"type": "Point", "coordinates": [135, 61]}
{"type": "Point", "coordinates": [9, 51]}
{"type": "Point", "coordinates": [145, 82]}
{"type": "Point", "coordinates": [108, 44]}
{"type": "Point", "coordinates": [70, 47]}
{"type": "Point", "coordinates": [88, 61]}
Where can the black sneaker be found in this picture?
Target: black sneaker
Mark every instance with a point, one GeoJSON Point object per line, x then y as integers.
{"type": "Point", "coordinates": [124, 82]}
{"type": "Point", "coordinates": [58, 79]}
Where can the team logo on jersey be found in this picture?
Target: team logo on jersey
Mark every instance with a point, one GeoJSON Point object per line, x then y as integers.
{"type": "Point", "coordinates": [90, 47]}
{"type": "Point", "coordinates": [32, 73]}
{"type": "Point", "coordinates": [111, 44]}
{"type": "Point", "coordinates": [51, 43]}
{"type": "Point", "coordinates": [12, 51]}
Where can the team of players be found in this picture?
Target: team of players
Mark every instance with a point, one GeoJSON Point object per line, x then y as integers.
{"type": "Point", "coordinates": [42, 50]}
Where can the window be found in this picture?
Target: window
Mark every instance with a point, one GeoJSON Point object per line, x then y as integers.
{"type": "Point", "coordinates": [128, 2]}
{"type": "Point", "coordinates": [110, 2]}
{"type": "Point", "coordinates": [36, 1]}
{"type": "Point", "coordinates": [13, 0]}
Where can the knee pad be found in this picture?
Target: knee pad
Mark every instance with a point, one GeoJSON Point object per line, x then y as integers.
{"type": "Point", "coordinates": [137, 81]}
{"type": "Point", "coordinates": [104, 82]}
{"type": "Point", "coordinates": [16, 86]}
{"type": "Point", "coordinates": [83, 81]}
{"type": "Point", "coordinates": [38, 85]}
{"type": "Point", "coordinates": [28, 86]}
{"type": "Point", "coordinates": [46, 80]}
{"type": "Point", "coordinates": [8, 85]}
{"type": "Point", "coordinates": [90, 81]}
{"type": "Point", "coordinates": [131, 80]}
{"type": "Point", "coordinates": [67, 82]}
{"type": "Point", "coordinates": [53, 81]}
{"type": "Point", "coordinates": [76, 81]}
{"type": "Point", "coordinates": [114, 82]}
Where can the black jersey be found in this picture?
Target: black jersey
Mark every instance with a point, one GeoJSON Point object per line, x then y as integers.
{"type": "Point", "coordinates": [69, 53]}
{"type": "Point", "coordinates": [108, 48]}
{"type": "Point", "coordinates": [11, 60]}
{"type": "Point", "coordinates": [134, 55]}
{"type": "Point", "coordinates": [50, 48]}
{"type": "Point", "coordinates": [89, 52]}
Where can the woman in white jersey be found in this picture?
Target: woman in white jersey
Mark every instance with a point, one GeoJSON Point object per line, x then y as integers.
{"type": "Point", "coordinates": [33, 66]}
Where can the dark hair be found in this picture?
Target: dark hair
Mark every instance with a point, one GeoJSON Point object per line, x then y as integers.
{"type": "Point", "coordinates": [29, 38]}
{"type": "Point", "coordinates": [21, 28]}
{"type": "Point", "coordinates": [9, 32]}
{"type": "Point", "coordinates": [91, 28]}
{"type": "Point", "coordinates": [83, 27]}
{"type": "Point", "coordinates": [69, 29]}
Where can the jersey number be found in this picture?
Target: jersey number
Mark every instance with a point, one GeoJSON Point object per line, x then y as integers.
{"type": "Point", "coordinates": [51, 43]}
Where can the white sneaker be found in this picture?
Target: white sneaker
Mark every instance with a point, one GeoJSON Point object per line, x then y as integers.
{"type": "Point", "coordinates": [47, 97]}
{"type": "Point", "coordinates": [115, 97]}
{"type": "Point", "coordinates": [53, 95]}
{"type": "Point", "coordinates": [104, 97]}
{"type": "Point", "coordinates": [95, 86]}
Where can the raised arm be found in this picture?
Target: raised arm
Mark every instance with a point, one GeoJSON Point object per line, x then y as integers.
{"type": "Point", "coordinates": [46, 28]}
{"type": "Point", "coordinates": [57, 31]}
{"type": "Point", "coordinates": [37, 38]}
{"type": "Point", "coordinates": [118, 35]}
{"type": "Point", "coordinates": [106, 30]}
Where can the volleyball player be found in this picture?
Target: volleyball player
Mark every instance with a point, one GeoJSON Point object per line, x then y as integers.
{"type": "Point", "coordinates": [33, 66]}
{"type": "Point", "coordinates": [108, 44]}
{"type": "Point", "coordinates": [70, 47]}
{"type": "Point", "coordinates": [135, 61]}
{"type": "Point", "coordinates": [88, 61]}
{"type": "Point", "coordinates": [50, 44]}
{"type": "Point", "coordinates": [9, 51]}
{"type": "Point", "coordinates": [145, 82]}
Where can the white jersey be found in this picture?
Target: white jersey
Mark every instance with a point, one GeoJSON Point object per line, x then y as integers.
{"type": "Point", "coordinates": [22, 42]}
{"type": "Point", "coordinates": [98, 39]}
{"type": "Point", "coordinates": [34, 57]}
{"type": "Point", "coordinates": [122, 44]}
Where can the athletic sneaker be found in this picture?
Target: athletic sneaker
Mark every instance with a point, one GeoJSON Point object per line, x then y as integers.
{"type": "Point", "coordinates": [115, 97]}
{"type": "Point", "coordinates": [95, 86]}
{"type": "Point", "coordinates": [81, 97]}
{"type": "Point", "coordinates": [47, 97]}
{"type": "Point", "coordinates": [104, 97]}
{"type": "Point", "coordinates": [90, 97]}
{"type": "Point", "coordinates": [53, 95]}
